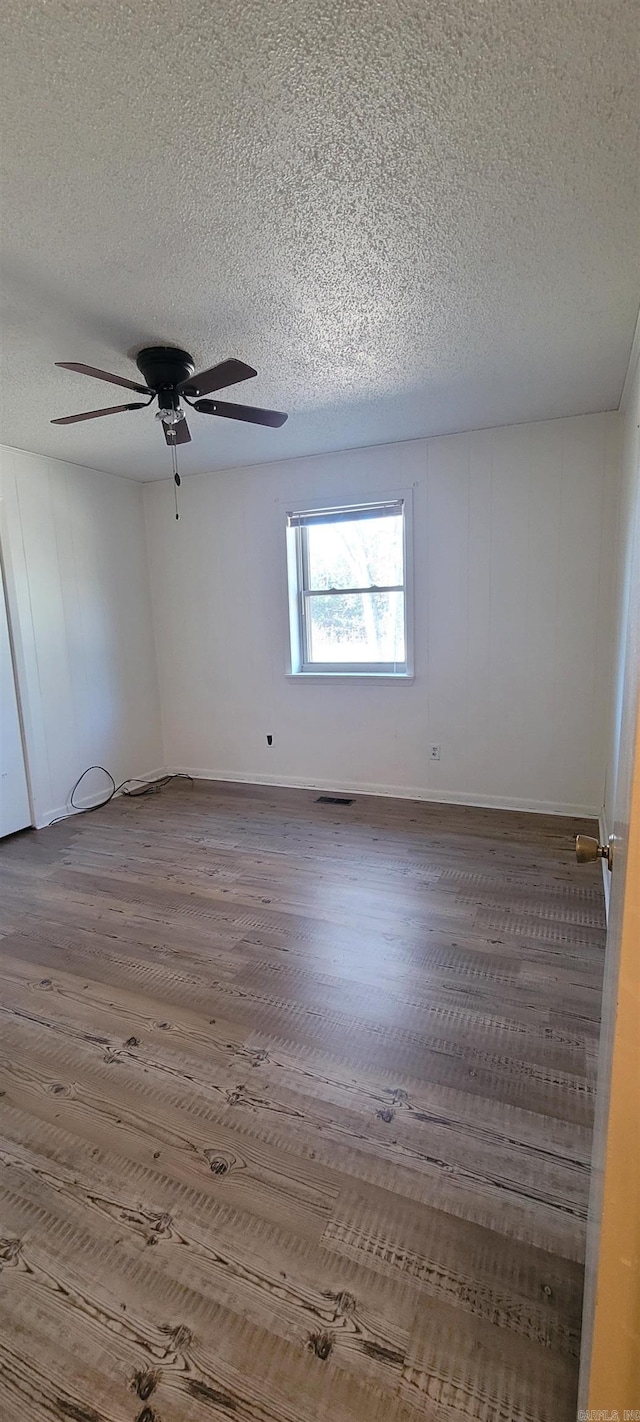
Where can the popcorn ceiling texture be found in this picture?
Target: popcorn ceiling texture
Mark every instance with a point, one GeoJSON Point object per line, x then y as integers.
{"type": "Point", "coordinates": [411, 217]}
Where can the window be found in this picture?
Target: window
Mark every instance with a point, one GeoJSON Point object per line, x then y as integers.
{"type": "Point", "coordinates": [348, 594]}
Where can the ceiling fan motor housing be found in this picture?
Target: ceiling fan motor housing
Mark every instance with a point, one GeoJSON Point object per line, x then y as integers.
{"type": "Point", "coordinates": [163, 368]}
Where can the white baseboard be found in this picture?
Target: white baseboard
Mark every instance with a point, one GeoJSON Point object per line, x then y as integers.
{"type": "Point", "coordinates": [86, 802]}
{"type": "Point", "coordinates": [606, 872]}
{"type": "Point", "coordinates": [395, 792]}
{"type": "Point", "coordinates": [339, 787]}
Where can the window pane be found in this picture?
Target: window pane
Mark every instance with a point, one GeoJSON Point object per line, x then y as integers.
{"type": "Point", "coordinates": [356, 627]}
{"type": "Point", "coordinates": [356, 554]}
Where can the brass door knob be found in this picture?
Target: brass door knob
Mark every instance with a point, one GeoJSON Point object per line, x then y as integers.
{"type": "Point", "coordinates": [588, 850]}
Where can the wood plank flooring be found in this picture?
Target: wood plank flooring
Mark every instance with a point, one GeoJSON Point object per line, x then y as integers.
{"type": "Point", "coordinates": [296, 1107]}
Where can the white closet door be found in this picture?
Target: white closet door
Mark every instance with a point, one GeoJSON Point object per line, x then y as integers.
{"type": "Point", "coordinates": [14, 799]}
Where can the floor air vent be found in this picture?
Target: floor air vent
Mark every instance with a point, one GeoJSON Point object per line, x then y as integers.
{"type": "Point", "coordinates": [333, 800]}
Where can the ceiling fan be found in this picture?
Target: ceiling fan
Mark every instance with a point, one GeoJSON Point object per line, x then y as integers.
{"type": "Point", "coordinates": [168, 375]}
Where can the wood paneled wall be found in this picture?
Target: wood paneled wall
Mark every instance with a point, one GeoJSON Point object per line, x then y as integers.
{"type": "Point", "coordinates": [78, 591]}
{"type": "Point", "coordinates": [514, 534]}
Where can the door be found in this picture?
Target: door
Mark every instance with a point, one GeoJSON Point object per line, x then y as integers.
{"type": "Point", "coordinates": [611, 1357]}
{"type": "Point", "coordinates": [15, 813]}
{"type": "Point", "coordinates": [610, 1354]}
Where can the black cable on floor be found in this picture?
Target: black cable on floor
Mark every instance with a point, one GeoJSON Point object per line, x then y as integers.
{"type": "Point", "coordinates": [147, 787]}
{"type": "Point", "coordinates": [84, 808]}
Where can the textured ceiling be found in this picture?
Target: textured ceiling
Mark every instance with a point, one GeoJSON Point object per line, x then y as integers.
{"type": "Point", "coordinates": [411, 217]}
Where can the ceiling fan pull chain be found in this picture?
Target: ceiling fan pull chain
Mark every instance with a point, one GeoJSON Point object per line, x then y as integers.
{"type": "Point", "coordinates": [174, 466]}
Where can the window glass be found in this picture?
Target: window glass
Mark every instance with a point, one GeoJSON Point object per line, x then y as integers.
{"type": "Point", "coordinates": [355, 554]}
{"type": "Point", "coordinates": [356, 627]}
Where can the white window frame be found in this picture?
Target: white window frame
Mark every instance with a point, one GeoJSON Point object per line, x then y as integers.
{"type": "Point", "coordinates": [299, 667]}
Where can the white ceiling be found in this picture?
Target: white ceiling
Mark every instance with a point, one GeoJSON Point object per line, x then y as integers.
{"type": "Point", "coordinates": [412, 218]}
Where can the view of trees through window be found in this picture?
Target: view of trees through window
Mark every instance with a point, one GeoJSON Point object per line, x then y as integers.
{"type": "Point", "coordinates": [366, 625]}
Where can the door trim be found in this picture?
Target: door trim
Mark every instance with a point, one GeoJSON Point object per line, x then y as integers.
{"type": "Point", "coordinates": [17, 655]}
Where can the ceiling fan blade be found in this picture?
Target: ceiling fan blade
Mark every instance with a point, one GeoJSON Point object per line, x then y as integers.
{"type": "Point", "coordinates": [177, 434]}
{"type": "Point", "coordinates": [248, 413]}
{"type": "Point", "coordinates": [228, 372]}
{"type": "Point", "coordinates": [95, 414]}
{"type": "Point", "coordinates": [102, 375]}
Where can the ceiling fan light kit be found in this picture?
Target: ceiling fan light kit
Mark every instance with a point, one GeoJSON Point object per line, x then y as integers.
{"type": "Point", "coordinates": [169, 376]}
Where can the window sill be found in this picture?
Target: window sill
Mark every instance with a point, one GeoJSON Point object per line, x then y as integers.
{"type": "Point", "coordinates": [340, 678]}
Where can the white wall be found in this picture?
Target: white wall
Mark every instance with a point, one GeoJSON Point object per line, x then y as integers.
{"type": "Point", "coordinates": [73, 546]}
{"type": "Point", "coordinates": [514, 533]}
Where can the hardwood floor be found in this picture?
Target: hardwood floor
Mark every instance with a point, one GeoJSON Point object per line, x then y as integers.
{"type": "Point", "coordinates": [296, 1111]}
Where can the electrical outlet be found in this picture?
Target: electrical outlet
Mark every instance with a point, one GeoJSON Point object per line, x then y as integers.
{"type": "Point", "coordinates": [435, 752]}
